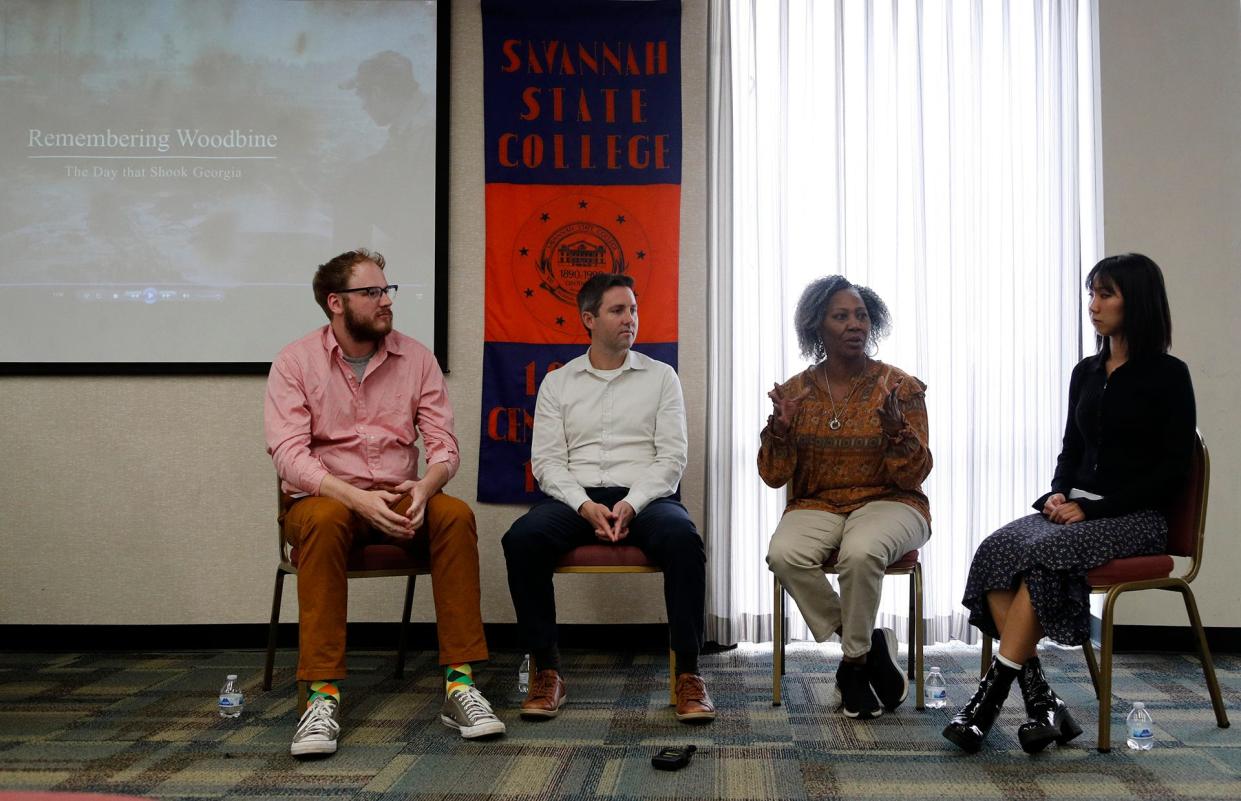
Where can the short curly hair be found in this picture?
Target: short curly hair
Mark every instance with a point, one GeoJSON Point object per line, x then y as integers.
{"type": "Point", "coordinates": [808, 319]}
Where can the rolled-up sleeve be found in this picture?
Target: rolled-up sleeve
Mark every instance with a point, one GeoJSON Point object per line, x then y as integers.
{"type": "Point", "coordinates": [286, 427]}
{"type": "Point", "coordinates": [434, 420]}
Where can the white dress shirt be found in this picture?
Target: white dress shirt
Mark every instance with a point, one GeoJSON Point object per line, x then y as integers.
{"type": "Point", "coordinates": [610, 428]}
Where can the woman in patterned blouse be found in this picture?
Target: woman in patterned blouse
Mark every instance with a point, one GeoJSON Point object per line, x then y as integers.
{"type": "Point", "coordinates": [1126, 452]}
{"type": "Point", "coordinates": [849, 438]}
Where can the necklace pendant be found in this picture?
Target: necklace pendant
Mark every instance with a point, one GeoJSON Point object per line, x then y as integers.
{"type": "Point", "coordinates": [834, 423]}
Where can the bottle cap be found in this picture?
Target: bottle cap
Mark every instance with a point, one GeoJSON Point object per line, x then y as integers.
{"type": "Point", "coordinates": [1139, 705]}
{"type": "Point", "coordinates": [231, 677]}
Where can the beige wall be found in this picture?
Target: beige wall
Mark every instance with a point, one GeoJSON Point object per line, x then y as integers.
{"type": "Point", "coordinates": [1171, 89]}
{"type": "Point", "coordinates": [150, 500]}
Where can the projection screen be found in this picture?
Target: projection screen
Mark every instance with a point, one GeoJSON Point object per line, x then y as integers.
{"type": "Point", "coordinates": [172, 172]}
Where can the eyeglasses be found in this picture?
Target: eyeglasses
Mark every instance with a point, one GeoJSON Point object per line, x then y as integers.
{"type": "Point", "coordinates": [372, 292]}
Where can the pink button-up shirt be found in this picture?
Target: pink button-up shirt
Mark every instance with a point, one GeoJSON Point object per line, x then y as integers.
{"type": "Point", "coordinates": [319, 419]}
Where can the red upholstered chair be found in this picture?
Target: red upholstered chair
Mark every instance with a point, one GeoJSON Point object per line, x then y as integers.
{"type": "Point", "coordinates": [907, 565]}
{"type": "Point", "coordinates": [1187, 518]}
{"type": "Point", "coordinates": [610, 559]}
{"type": "Point", "coordinates": [370, 561]}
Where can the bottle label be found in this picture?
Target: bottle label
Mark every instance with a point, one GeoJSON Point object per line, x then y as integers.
{"type": "Point", "coordinates": [937, 693]}
{"type": "Point", "coordinates": [231, 699]}
{"type": "Point", "coordinates": [1141, 732]}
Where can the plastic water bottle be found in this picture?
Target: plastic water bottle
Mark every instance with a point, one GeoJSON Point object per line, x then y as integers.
{"type": "Point", "coordinates": [935, 690]}
{"type": "Point", "coordinates": [232, 702]}
{"type": "Point", "coordinates": [523, 675]}
{"type": "Point", "coordinates": [1141, 728]}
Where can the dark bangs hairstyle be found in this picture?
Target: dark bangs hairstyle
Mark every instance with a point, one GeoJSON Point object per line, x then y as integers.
{"type": "Point", "coordinates": [1147, 321]}
{"type": "Point", "coordinates": [811, 309]}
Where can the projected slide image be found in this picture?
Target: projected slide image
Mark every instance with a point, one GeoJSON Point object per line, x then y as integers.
{"type": "Point", "coordinates": [172, 171]}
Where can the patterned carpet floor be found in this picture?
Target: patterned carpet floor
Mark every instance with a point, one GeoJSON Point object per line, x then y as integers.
{"type": "Point", "coordinates": [145, 724]}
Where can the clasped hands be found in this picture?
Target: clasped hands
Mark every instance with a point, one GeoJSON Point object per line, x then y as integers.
{"type": "Point", "coordinates": [379, 507]}
{"type": "Point", "coordinates": [1059, 509]}
{"type": "Point", "coordinates": [611, 525]}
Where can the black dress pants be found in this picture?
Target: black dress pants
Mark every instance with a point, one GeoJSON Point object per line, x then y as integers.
{"type": "Point", "coordinates": [664, 532]}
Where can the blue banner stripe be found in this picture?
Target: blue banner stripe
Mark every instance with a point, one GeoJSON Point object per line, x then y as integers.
{"type": "Point", "coordinates": [583, 92]}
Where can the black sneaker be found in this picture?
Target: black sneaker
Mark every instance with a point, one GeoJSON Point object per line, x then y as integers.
{"type": "Point", "coordinates": [857, 698]}
{"type": "Point", "coordinates": [886, 675]}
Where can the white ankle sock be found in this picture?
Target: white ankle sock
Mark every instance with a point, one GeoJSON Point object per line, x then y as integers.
{"type": "Point", "coordinates": [1006, 661]}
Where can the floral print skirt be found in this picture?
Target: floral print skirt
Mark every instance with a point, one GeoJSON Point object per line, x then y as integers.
{"type": "Point", "coordinates": [1054, 559]}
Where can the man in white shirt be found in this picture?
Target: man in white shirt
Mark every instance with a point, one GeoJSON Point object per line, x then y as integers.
{"type": "Point", "coordinates": [609, 448]}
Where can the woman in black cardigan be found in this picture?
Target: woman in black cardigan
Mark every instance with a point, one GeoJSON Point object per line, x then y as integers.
{"type": "Point", "coordinates": [1126, 453]}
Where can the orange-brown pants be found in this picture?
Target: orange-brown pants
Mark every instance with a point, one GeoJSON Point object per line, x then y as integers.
{"type": "Point", "coordinates": [324, 531]}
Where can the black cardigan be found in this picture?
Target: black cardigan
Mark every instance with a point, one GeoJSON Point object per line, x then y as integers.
{"type": "Point", "coordinates": [1129, 437]}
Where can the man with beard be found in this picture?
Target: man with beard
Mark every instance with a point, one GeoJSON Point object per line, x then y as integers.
{"type": "Point", "coordinates": [345, 405]}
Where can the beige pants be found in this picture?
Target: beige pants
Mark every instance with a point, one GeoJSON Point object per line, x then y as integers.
{"type": "Point", "coordinates": [869, 539]}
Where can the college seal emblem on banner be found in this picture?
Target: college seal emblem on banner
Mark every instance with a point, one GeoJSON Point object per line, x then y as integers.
{"type": "Point", "coordinates": [564, 243]}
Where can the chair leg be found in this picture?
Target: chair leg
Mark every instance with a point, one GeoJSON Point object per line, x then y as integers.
{"type": "Point", "coordinates": [672, 677]}
{"type": "Point", "coordinates": [777, 641]}
{"type": "Point", "coordinates": [403, 641]}
{"type": "Point", "coordinates": [917, 632]}
{"type": "Point", "coordinates": [272, 629]}
{"type": "Point", "coordinates": [909, 635]}
{"type": "Point", "coordinates": [784, 629]}
{"type": "Point", "coordinates": [986, 656]}
{"type": "Point", "coordinates": [1104, 743]}
{"type": "Point", "coordinates": [1092, 665]}
{"type": "Point", "coordinates": [1204, 654]}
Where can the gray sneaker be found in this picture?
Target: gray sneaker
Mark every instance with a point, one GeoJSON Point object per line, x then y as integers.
{"type": "Point", "coordinates": [318, 729]}
{"type": "Point", "coordinates": [469, 713]}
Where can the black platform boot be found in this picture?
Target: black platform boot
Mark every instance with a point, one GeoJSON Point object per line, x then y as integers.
{"type": "Point", "coordinates": [972, 722]}
{"type": "Point", "coordinates": [1049, 716]}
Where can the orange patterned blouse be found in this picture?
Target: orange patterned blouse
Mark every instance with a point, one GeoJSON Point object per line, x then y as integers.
{"type": "Point", "coordinates": [844, 469]}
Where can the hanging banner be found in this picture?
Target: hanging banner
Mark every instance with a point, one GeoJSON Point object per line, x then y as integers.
{"type": "Point", "coordinates": [582, 121]}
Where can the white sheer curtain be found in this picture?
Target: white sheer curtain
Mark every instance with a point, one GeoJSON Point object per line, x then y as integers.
{"type": "Point", "coordinates": [943, 153]}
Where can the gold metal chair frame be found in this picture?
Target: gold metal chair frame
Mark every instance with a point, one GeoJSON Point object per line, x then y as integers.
{"type": "Point", "coordinates": [285, 567]}
{"type": "Point", "coordinates": [1101, 670]}
{"type": "Point", "coordinates": [613, 569]}
{"type": "Point", "coordinates": [916, 632]}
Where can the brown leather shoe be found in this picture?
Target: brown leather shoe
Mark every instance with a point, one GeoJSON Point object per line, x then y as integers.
{"type": "Point", "coordinates": [693, 702]}
{"type": "Point", "coordinates": [545, 697]}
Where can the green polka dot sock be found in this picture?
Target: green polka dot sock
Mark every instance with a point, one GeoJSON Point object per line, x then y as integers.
{"type": "Point", "coordinates": [458, 677]}
{"type": "Point", "coordinates": [323, 689]}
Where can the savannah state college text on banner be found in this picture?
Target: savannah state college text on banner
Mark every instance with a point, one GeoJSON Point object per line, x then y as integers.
{"type": "Point", "coordinates": [582, 107]}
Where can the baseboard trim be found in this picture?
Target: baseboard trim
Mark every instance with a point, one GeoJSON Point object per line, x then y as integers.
{"type": "Point", "coordinates": [500, 636]}
{"type": "Point", "coordinates": [1168, 639]}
